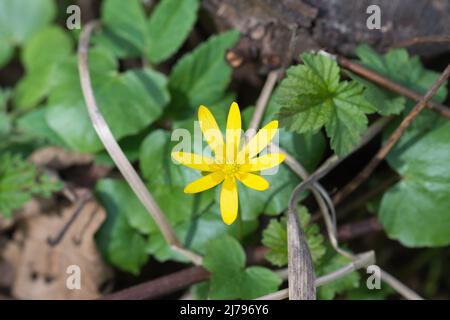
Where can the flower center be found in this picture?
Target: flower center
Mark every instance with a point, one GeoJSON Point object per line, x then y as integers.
{"type": "Point", "coordinates": [231, 169]}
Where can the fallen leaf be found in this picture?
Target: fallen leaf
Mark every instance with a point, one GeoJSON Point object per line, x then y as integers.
{"type": "Point", "coordinates": [41, 269]}
{"type": "Point", "coordinates": [58, 158]}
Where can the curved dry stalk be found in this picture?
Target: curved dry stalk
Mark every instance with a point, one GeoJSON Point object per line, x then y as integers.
{"type": "Point", "coordinates": [362, 261]}
{"type": "Point", "coordinates": [116, 153]}
{"type": "Point", "coordinates": [399, 287]}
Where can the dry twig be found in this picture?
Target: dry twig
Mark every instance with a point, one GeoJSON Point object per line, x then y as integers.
{"type": "Point", "coordinates": [421, 40]}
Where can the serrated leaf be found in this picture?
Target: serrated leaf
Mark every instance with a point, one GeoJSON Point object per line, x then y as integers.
{"type": "Point", "coordinates": [385, 102]}
{"type": "Point", "coordinates": [41, 55]}
{"type": "Point", "coordinates": [275, 238]}
{"type": "Point", "coordinates": [138, 96]}
{"type": "Point", "coordinates": [19, 21]}
{"type": "Point", "coordinates": [225, 259]}
{"type": "Point", "coordinates": [312, 97]}
{"type": "Point", "coordinates": [168, 26]}
{"type": "Point", "coordinates": [348, 122]}
{"type": "Point", "coordinates": [19, 181]}
{"type": "Point", "coordinates": [415, 210]}
{"type": "Point", "coordinates": [202, 76]}
{"type": "Point", "coordinates": [398, 66]}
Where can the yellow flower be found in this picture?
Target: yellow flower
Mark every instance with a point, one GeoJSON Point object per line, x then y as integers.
{"type": "Point", "coordinates": [231, 161]}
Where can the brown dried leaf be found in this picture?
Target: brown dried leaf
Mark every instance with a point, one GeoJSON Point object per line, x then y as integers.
{"type": "Point", "coordinates": [41, 269]}
{"type": "Point", "coordinates": [58, 158]}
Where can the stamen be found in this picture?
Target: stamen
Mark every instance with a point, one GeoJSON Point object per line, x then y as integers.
{"type": "Point", "coordinates": [231, 169]}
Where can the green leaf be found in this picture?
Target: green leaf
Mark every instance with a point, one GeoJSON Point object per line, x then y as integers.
{"type": "Point", "coordinates": [275, 238]}
{"type": "Point", "coordinates": [348, 122]}
{"type": "Point", "coordinates": [5, 94]}
{"type": "Point", "coordinates": [128, 33]}
{"type": "Point", "coordinates": [20, 20]}
{"type": "Point", "coordinates": [6, 51]}
{"type": "Point", "coordinates": [34, 125]}
{"type": "Point", "coordinates": [19, 181]}
{"type": "Point", "coordinates": [138, 96]}
{"type": "Point", "coordinates": [125, 25]}
{"type": "Point", "coordinates": [312, 97]}
{"type": "Point", "coordinates": [116, 195]}
{"type": "Point", "coordinates": [258, 281]}
{"type": "Point", "coordinates": [157, 165]}
{"type": "Point", "coordinates": [196, 233]}
{"type": "Point", "coordinates": [5, 123]}
{"type": "Point", "coordinates": [168, 27]}
{"type": "Point", "coordinates": [119, 200]}
{"type": "Point", "coordinates": [398, 66]}
{"type": "Point", "coordinates": [385, 102]}
{"type": "Point", "coordinates": [225, 259]}
{"type": "Point", "coordinates": [200, 290]}
{"type": "Point", "coordinates": [121, 244]}
{"type": "Point", "coordinates": [202, 76]}
{"type": "Point", "coordinates": [130, 145]}
{"type": "Point", "coordinates": [331, 263]}
{"type": "Point", "coordinates": [415, 210]}
{"type": "Point", "coordinates": [41, 56]}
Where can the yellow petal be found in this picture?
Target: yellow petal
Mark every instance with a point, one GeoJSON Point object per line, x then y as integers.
{"type": "Point", "coordinates": [205, 183]}
{"type": "Point", "coordinates": [194, 161]}
{"type": "Point", "coordinates": [229, 201]}
{"type": "Point", "coordinates": [253, 181]}
{"type": "Point", "coordinates": [233, 133]}
{"type": "Point", "coordinates": [259, 141]}
{"type": "Point", "coordinates": [264, 162]}
{"type": "Point", "coordinates": [211, 132]}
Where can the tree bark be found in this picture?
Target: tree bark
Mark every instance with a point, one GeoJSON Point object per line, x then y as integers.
{"type": "Point", "coordinates": [338, 26]}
